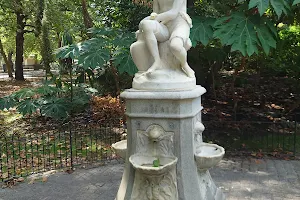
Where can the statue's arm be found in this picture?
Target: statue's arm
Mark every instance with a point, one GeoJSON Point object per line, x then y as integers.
{"type": "Point", "coordinates": [171, 14]}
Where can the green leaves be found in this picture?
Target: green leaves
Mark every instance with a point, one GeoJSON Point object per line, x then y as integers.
{"type": "Point", "coordinates": [107, 44]}
{"type": "Point", "coordinates": [296, 2]}
{"type": "Point", "coordinates": [266, 38]}
{"type": "Point", "coordinates": [70, 51]}
{"type": "Point", "coordinates": [47, 90]}
{"type": "Point", "coordinates": [246, 27]}
{"type": "Point", "coordinates": [244, 34]}
{"type": "Point", "coordinates": [262, 5]}
{"type": "Point", "coordinates": [279, 6]}
{"type": "Point", "coordinates": [27, 106]}
{"type": "Point", "coordinates": [7, 102]}
{"type": "Point", "coordinates": [93, 53]}
{"type": "Point", "coordinates": [124, 62]}
{"type": "Point", "coordinates": [24, 93]}
{"type": "Point", "coordinates": [49, 100]}
{"type": "Point", "coordinates": [237, 31]}
{"type": "Point", "coordinates": [202, 30]}
{"type": "Point", "coordinates": [21, 99]}
{"type": "Point", "coordinates": [56, 108]}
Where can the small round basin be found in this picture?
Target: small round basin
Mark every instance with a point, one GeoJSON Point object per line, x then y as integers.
{"type": "Point", "coordinates": [120, 148]}
{"type": "Point", "coordinates": [208, 155]}
{"type": "Point", "coordinates": [144, 164]}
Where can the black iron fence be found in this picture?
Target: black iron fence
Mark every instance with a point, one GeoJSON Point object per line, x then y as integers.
{"type": "Point", "coordinates": [22, 155]}
{"type": "Point", "coordinates": [281, 137]}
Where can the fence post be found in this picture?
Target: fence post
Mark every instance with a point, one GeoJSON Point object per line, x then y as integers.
{"type": "Point", "coordinates": [295, 133]}
{"type": "Point", "coordinates": [70, 138]}
{"type": "Point", "coordinates": [1, 177]}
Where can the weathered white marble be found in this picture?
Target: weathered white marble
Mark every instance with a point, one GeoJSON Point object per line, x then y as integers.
{"type": "Point", "coordinates": [166, 158]}
{"type": "Point", "coordinates": [160, 52]}
{"type": "Point", "coordinates": [120, 148]}
{"type": "Point", "coordinates": [208, 155]}
{"type": "Point", "coordinates": [166, 125]}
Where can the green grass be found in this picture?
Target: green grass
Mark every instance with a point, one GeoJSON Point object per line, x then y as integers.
{"type": "Point", "coordinates": [44, 152]}
{"type": "Point", "coordinates": [267, 143]}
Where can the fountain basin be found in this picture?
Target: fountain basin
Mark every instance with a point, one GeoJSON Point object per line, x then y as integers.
{"type": "Point", "coordinates": [144, 164]}
{"type": "Point", "coordinates": [120, 148]}
{"type": "Point", "coordinates": [208, 155]}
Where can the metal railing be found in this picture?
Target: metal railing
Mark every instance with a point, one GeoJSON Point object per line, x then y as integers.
{"type": "Point", "coordinates": [255, 136]}
{"type": "Point", "coordinates": [22, 155]}
{"type": "Point", "coordinates": [25, 154]}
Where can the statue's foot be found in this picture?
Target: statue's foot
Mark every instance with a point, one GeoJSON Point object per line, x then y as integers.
{"type": "Point", "coordinates": [188, 71]}
{"type": "Point", "coordinates": [155, 66]}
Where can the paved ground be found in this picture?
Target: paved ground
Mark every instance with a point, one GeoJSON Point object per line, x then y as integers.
{"type": "Point", "coordinates": [28, 74]}
{"type": "Point", "coordinates": [239, 179]}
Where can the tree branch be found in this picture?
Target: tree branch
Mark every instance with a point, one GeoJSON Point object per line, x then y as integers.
{"type": "Point", "coordinates": [29, 25]}
{"type": "Point", "coordinates": [28, 31]}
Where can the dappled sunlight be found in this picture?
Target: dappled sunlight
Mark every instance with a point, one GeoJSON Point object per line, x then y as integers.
{"type": "Point", "coordinates": [266, 179]}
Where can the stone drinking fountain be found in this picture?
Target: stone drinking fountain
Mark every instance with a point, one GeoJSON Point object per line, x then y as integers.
{"type": "Point", "coordinates": [165, 157]}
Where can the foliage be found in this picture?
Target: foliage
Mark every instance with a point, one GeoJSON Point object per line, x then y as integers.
{"type": "Point", "coordinates": [105, 56]}
{"type": "Point", "coordinates": [246, 26]}
{"type": "Point", "coordinates": [27, 19]}
{"type": "Point", "coordinates": [107, 108]}
{"type": "Point", "coordinates": [106, 44]}
{"type": "Point", "coordinates": [39, 15]}
{"type": "Point", "coordinates": [125, 14]}
{"type": "Point", "coordinates": [285, 61]}
{"type": "Point", "coordinates": [245, 34]}
{"type": "Point", "coordinates": [202, 30]}
{"type": "Point", "coordinates": [49, 100]}
{"type": "Point", "coordinates": [46, 50]}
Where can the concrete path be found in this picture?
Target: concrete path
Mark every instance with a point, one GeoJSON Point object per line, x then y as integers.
{"type": "Point", "coordinates": [239, 179]}
{"type": "Point", "coordinates": [28, 74]}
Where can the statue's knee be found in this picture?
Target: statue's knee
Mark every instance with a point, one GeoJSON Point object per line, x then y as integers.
{"type": "Point", "coordinates": [132, 46]}
{"type": "Point", "coordinates": [146, 25]}
{"type": "Point", "coordinates": [176, 44]}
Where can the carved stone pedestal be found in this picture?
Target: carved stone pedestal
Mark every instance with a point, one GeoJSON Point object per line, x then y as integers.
{"type": "Point", "coordinates": [164, 125]}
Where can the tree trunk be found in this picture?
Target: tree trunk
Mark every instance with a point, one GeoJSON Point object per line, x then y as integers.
{"type": "Point", "coordinates": [7, 62]}
{"type": "Point", "coordinates": [58, 40]}
{"type": "Point", "coordinates": [9, 57]}
{"type": "Point", "coordinates": [115, 74]}
{"type": "Point", "coordinates": [19, 75]}
{"type": "Point", "coordinates": [88, 22]}
{"type": "Point", "coordinates": [46, 50]}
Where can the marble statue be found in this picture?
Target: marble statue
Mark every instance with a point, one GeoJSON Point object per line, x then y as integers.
{"type": "Point", "coordinates": [169, 23]}
{"type": "Point", "coordinates": [165, 156]}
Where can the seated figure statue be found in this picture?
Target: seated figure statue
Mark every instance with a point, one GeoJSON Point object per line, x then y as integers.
{"type": "Point", "coordinates": [170, 23]}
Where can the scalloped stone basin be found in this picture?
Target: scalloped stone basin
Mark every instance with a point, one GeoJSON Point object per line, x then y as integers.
{"type": "Point", "coordinates": [120, 148]}
{"type": "Point", "coordinates": [144, 164]}
{"type": "Point", "coordinates": [208, 155]}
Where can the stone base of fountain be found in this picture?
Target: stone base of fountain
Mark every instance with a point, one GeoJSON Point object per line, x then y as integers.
{"type": "Point", "coordinates": [166, 126]}
{"type": "Point", "coordinates": [207, 187]}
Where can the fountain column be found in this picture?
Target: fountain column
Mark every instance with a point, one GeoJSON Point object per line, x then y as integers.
{"type": "Point", "coordinates": [176, 115]}
{"type": "Point", "coordinates": [166, 158]}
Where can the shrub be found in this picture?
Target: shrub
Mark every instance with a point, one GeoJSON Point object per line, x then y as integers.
{"type": "Point", "coordinates": [49, 100]}
{"type": "Point", "coordinates": [107, 108]}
